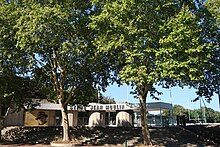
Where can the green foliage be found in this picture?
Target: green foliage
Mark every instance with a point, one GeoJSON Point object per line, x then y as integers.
{"type": "Point", "coordinates": [182, 54]}
{"type": "Point", "coordinates": [9, 55]}
{"type": "Point", "coordinates": [179, 110]}
{"type": "Point", "coordinates": [180, 48]}
{"type": "Point", "coordinates": [122, 36]}
{"type": "Point", "coordinates": [209, 13]}
{"type": "Point", "coordinates": [107, 100]}
{"type": "Point", "coordinates": [18, 92]}
{"type": "Point", "coordinates": [213, 7]}
{"type": "Point", "coordinates": [16, 89]}
{"type": "Point", "coordinates": [54, 42]}
{"type": "Point", "coordinates": [195, 115]}
{"type": "Point", "coordinates": [154, 42]}
{"type": "Point", "coordinates": [55, 46]}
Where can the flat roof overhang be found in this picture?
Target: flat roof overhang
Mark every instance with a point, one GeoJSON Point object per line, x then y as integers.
{"type": "Point", "coordinates": [158, 106]}
{"type": "Point", "coordinates": [153, 106]}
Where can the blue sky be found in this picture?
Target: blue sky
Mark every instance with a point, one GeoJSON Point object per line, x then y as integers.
{"type": "Point", "coordinates": [178, 96]}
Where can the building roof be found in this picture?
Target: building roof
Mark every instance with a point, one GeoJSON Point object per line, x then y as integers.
{"type": "Point", "coordinates": [153, 106]}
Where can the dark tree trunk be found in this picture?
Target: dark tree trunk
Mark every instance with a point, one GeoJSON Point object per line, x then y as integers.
{"type": "Point", "coordinates": [65, 123]}
{"type": "Point", "coordinates": [142, 93]}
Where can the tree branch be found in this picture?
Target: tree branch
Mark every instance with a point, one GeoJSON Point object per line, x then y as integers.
{"type": "Point", "coordinates": [70, 96]}
{"type": "Point", "coordinates": [62, 76]}
{"type": "Point", "coordinates": [54, 75]}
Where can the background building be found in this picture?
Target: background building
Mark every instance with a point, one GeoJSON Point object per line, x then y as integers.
{"type": "Point", "coordinates": [95, 114]}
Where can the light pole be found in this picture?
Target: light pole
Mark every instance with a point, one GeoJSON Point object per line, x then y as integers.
{"type": "Point", "coordinates": [218, 84]}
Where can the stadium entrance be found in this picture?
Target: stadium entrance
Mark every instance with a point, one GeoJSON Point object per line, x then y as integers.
{"type": "Point", "coordinates": [94, 114]}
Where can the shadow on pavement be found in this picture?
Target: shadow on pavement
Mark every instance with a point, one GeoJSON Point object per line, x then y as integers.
{"type": "Point", "coordinates": [88, 136]}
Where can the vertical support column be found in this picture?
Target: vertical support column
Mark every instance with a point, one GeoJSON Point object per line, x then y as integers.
{"type": "Point", "coordinates": [161, 119]}
{"type": "Point", "coordinates": [52, 118]}
{"type": "Point", "coordinates": [109, 118]}
{"type": "Point", "coordinates": [103, 116]}
{"type": "Point", "coordinates": [172, 116]}
{"type": "Point", "coordinates": [73, 117]}
{"type": "Point", "coordinates": [70, 118]}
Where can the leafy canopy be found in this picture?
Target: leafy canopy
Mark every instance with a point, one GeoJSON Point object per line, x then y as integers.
{"type": "Point", "coordinates": [56, 43]}
{"type": "Point", "coordinates": [154, 42]}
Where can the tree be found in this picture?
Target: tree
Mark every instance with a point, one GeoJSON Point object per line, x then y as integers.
{"type": "Point", "coordinates": [16, 90]}
{"type": "Point", "coordinates": [151, 43]}
{"type": "Point", "coordinates": [195, 115]}
{"type": "Point", "coordinates": [209, 23]}
{"type": "Point", "coordinates": [179, 110]}
{"type": "Point", "coordinates": [54, 39]}
{"type": "Point", "coordinates": [107, 100]}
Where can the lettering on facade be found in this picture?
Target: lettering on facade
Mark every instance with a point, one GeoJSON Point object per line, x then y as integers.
{"type": "Point", "coordinates": [77, 107]}
{"type": "Point", "coordinates": [107, 107]}
{"type": "Point", "coordinates": [42, 118]}
{"type": "Point", "coordinates": [98, 107]}
{"type": "Point", "coordinates": [73, 107]}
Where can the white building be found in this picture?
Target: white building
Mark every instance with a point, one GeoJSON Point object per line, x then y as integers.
{"type": "Point", "coordinates": [95, 114]}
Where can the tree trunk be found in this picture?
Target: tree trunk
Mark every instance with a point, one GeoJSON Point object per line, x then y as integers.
{"type": "Point", "coordinates": [144, 127]}
{"type": "Point", "coordinates": [58, 84]}
{"type": "Point", "coordinates": [65, 123]}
